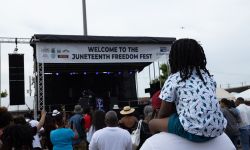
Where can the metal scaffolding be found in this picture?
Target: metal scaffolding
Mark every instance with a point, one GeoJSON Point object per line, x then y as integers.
{"type": "Point", "coordinates": [40, 86]}
{"type": "Point", "coordinates": [15, 40]}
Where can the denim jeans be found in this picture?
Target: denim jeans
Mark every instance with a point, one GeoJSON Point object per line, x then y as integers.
{"type": "Point", "coordinates": [245, 138]}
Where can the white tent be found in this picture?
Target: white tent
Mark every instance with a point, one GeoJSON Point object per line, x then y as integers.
{"type": "Point", "coordinates": [221, 93]}
{"type": "Point", "coordinates": [244, 94]}
{"type": "Point", "coordinates": [234, 93]}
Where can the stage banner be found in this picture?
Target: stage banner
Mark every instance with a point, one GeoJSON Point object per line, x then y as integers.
{"type": "Point", "coordinates": [99, 53]}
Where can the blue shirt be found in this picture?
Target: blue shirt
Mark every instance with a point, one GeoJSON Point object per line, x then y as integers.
{"type": "Point", "coordinates": [78, 123]}
{"type": "Point", "coordinates": [62, 139]}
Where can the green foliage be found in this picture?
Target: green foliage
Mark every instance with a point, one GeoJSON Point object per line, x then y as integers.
{"type": "Point", "coordinates": [164, 75]}
{"type": "Point", "coordinates": [165, 72]}
{"type": "Point", "coordinates": [155, 81]}
{"type": "Point", "coordinates": [4, 94]}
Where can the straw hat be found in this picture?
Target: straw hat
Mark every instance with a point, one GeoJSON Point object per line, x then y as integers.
{"type": "Point", "coordinates": [55, 112]}
{"type": "Point", "coordinates": [78, 109]}
{"type": "Point", "coordinates": [116, 107]}
{"type": "Point", "coordinates": [127, 110]}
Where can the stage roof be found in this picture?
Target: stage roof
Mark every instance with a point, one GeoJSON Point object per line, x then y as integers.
{"type": "Point", "coordinates": [99, 39]}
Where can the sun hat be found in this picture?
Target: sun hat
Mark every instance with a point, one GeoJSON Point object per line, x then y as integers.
{"type": "Point", "coordinates": [78, 109]}
{"type": "Point", "coordinates": [127, 110]}
{"type": "Point", "coordinates": [156, 101]}
{"type": "Point", "coordinates": [116, 107]}
{"type": "Point", "coordinates": [55, 112]}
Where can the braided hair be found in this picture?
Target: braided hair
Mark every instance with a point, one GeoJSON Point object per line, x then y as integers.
{"type": "Point", "coordinates": [185, 56]}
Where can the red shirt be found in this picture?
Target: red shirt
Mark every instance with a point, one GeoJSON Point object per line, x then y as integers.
{"type": "Point", "coordinates": [87, 121]}
{"type": "Point", "coordinates": [156, 101]}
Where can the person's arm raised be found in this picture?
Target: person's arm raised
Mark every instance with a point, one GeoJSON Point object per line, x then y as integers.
{"type": "Point", "coordinates": [42, 120]}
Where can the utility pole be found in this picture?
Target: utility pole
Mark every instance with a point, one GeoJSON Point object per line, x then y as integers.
{"type": "Point", "coordinates": [0, 78]}
{"type": "Point", "coordinates": [84, 14]}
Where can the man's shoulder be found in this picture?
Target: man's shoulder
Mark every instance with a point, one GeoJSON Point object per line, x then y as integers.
{"type": "Point", "coordinates": [163, 140]}
{"type": "Point", "coordinates": [243, 107]}
{"type": "Point", "coordinates": [99, 133]}
{"type": "Point", "coordinates": [125, 132]}
{"type": "Point", "coordinates": [112, 129]}
{"type": "Point", "coordinates": [76, 116]}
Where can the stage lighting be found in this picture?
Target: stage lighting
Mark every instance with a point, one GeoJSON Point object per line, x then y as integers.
{"type": "Point", "coordinates": [85, 73]}
{"type": "Point", "coordinates": [48, 73]}
{"type": "Point", "coordinates": [97, 73]}
{"type": "Point", "coordinates": [119, 73]}
{"type": "Point", "coordinates": [73, 73]}
{"type": "Point", "coordinates": [57, 74]}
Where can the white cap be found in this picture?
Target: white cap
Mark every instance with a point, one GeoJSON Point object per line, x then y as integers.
{"type": "Point", "coordinates": [115, 107]}
{"type": "Point", "coordinates": [55, 112]}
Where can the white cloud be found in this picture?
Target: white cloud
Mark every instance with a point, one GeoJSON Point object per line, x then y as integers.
{"type": "Point", "coordinates": [221, 26]}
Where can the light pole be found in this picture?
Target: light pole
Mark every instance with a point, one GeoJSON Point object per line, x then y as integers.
{"type": "Point", "coordinates": [84, 18]}
{"type": "Point", "coordinates": [0, 77]}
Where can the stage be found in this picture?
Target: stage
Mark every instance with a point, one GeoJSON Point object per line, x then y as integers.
{"type": "Point", "coordinates": [65, 65]}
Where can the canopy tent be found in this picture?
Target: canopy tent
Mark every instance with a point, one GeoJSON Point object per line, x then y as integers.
{"type": "Point", "coordinates": [245, 94]}
{"type": "Point", "coordinates": [221, 93]}
{"type": "Point", "coordinates": [234, 93]}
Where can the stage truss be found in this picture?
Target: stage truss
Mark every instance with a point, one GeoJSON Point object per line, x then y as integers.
{"type": "Point", "coordinates": [40, 86]}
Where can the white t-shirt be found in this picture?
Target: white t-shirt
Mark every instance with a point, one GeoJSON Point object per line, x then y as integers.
{"type": "Point", "coordinates": [164, 141]}
{"type": "Point", "coordinates": [90, 133]}
{"type": "Point", "coordinates": [244, 115]}
{"type": "Point", "coordinates": [36, 141]}
{"type": "Point", "coordinates": [111, 138]}
{"type": "Point", "coordinates": [196, 104]}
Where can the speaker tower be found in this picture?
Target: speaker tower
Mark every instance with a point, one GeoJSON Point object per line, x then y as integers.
{"type": "Point", "coordinates": [16, 79]}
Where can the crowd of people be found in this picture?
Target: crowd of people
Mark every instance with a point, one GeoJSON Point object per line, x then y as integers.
{"type": "Point", "coordinates": [184, 114]}
{"type": "Point", "coordinates": [83, 130]}
{"type": "Point", "coordinates": [99, 130]}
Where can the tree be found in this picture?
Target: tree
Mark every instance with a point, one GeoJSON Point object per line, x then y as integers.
{"type": "Point", "coordinates": [163, 77]}
{"type": "Point", "coordinates": [165, 72]}
{"type": "Point", "coordinates": [4, 94]}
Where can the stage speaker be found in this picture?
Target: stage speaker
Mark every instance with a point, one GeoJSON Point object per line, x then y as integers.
{"type": "Point", "coordinates": [16, 79]}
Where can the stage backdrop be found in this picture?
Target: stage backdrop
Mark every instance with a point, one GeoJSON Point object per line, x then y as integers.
{"type": "Point", "coordinates": [99, 53]}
